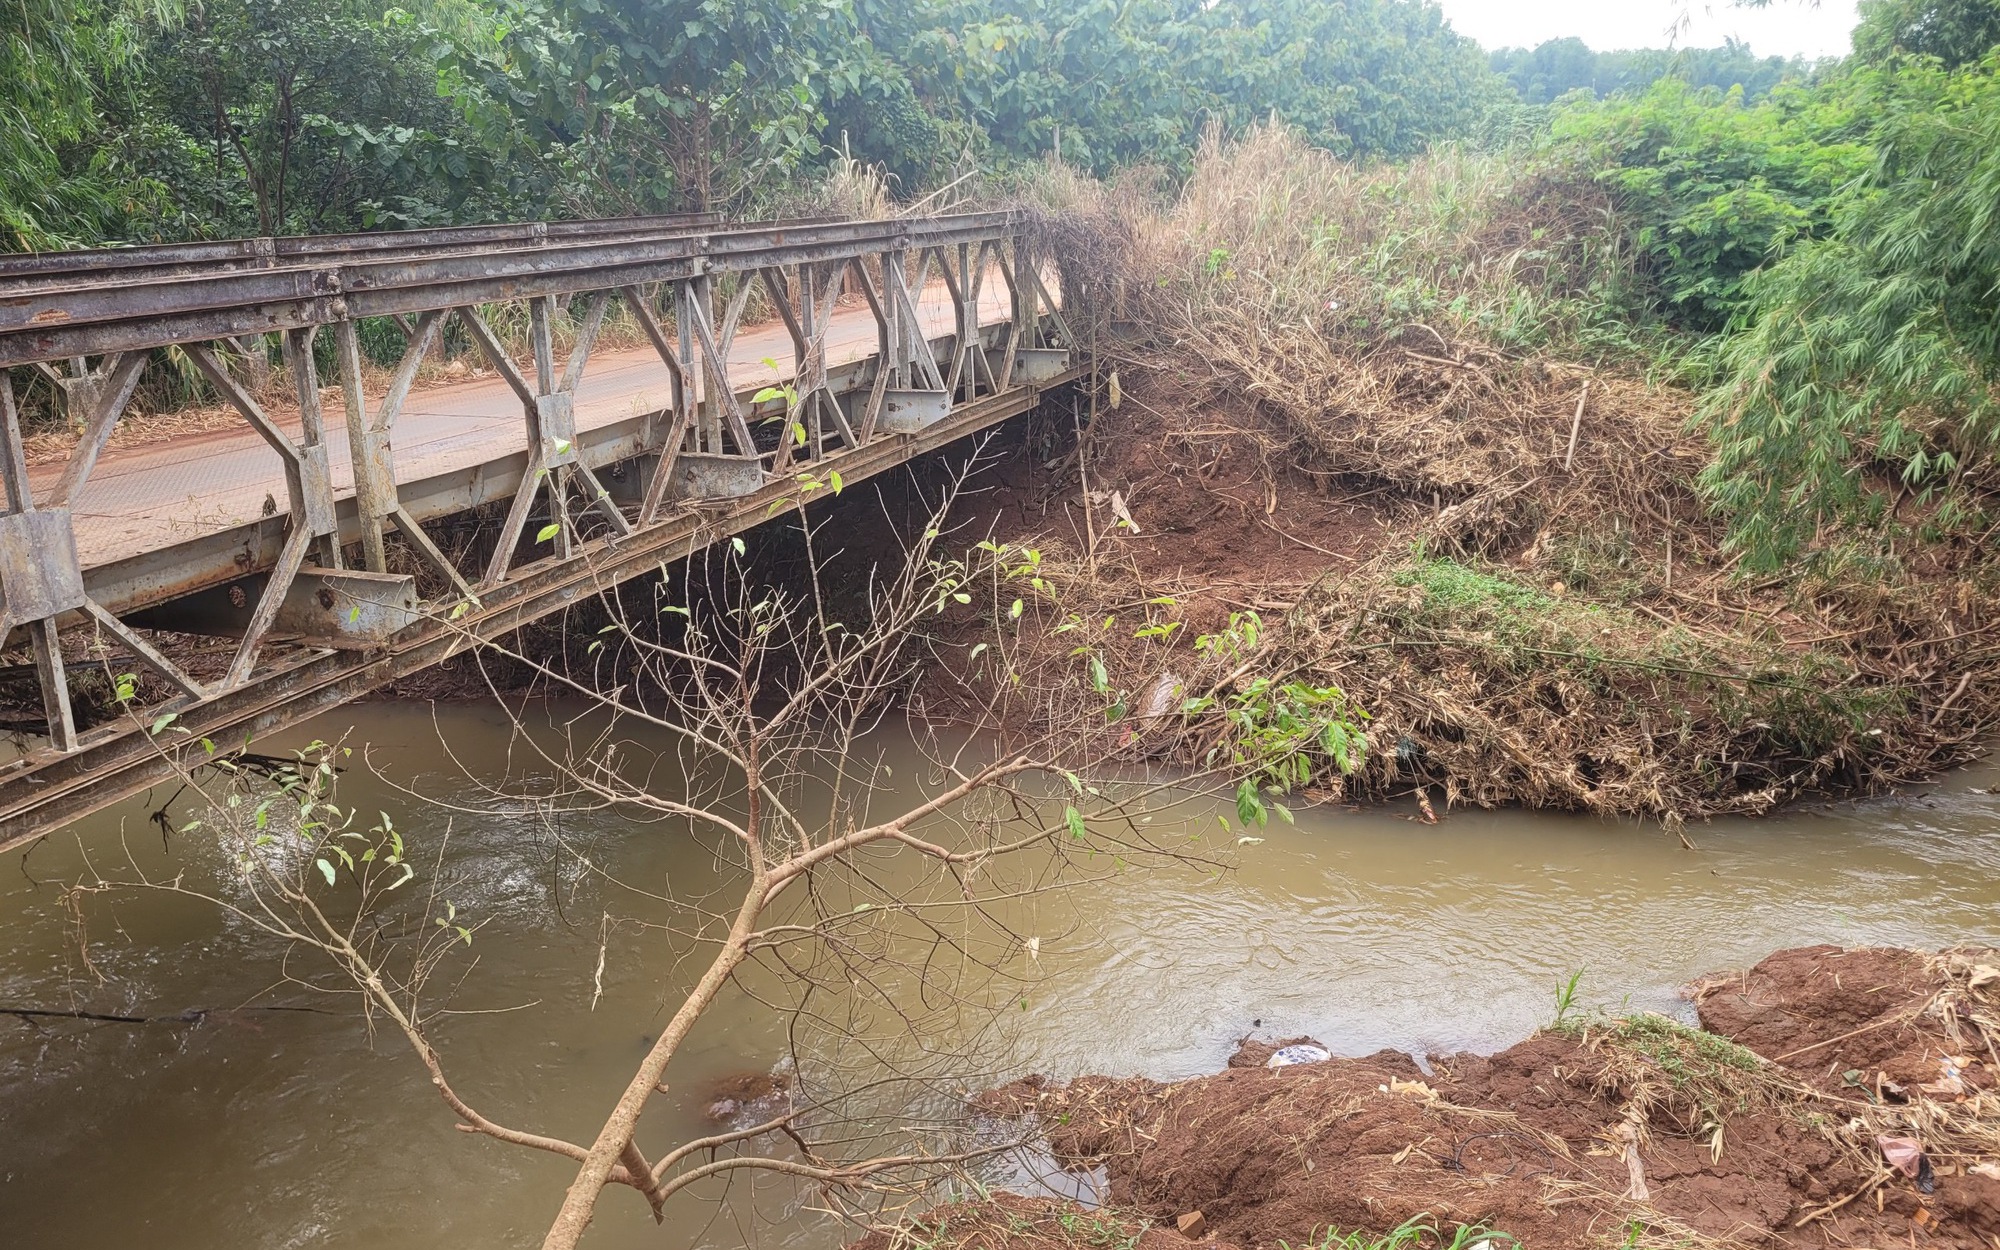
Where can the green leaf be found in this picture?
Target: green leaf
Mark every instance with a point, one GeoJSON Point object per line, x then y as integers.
{"type": "Point", "coordinates": [325, 870]}
{"type": "Point", "coordinates": [547, 532]}
{"type": "Point", "coordinates": [1074, 819]}
{"type": "Point", "coordinates": [1249, 804]}
{"type": "Point", "coordinates": [160, 723]}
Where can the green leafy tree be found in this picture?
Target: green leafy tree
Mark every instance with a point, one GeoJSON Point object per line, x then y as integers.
{"type": "Point", "coordinates": [1713, 187]}
{"type": "Point", "coordinates": [687, 104]}
{"type": "Point", "coordinates": [1553, 69]}
{"type": "Point", "coordinates": [54, 57]}
{"type": "Point", "coordinates": [1956, 32]}
{"type": "Point", "coordinates": [1137, 81]}
{"type": "Point", "coordinates": [311, 115]}
{"type": "Point", "coordinates": [1880, 340]}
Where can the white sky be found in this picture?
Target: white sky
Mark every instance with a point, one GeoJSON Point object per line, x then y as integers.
{"type": "Point", "coordinates": [1786, 28]}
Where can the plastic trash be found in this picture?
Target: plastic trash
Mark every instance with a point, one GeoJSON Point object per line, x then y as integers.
{"type": "Point", "coordinates": [1286, 1056]}
{"type": "Point", "coordinates": [1906, 1155]}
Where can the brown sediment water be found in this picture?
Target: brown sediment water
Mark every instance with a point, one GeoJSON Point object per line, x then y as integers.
{"type": "Point", "coordinates": [1363, 929]}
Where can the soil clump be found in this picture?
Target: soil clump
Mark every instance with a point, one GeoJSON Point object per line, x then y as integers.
{"type": "Point", "coordinates": [1774, 1124]}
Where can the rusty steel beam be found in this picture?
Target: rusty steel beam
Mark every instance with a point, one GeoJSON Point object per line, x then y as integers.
{"type": "Point", "coordinates": [145, 262]}
{"type": "Point", "coordinates": [113, 762]}
{"type": "Point", "coordinates": [81, 319]}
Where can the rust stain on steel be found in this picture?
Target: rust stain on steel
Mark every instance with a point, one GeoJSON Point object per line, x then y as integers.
{"type": "Point", "coordinates": [49, 317]}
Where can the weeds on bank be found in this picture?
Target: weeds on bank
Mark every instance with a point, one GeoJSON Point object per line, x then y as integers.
{"type": "Point", "coordinates": [1794, 702]}
{"type": "Point", "coordinates": [1274, 231]}
{"type": "Point", "coordinates": [1698, 1079]}
{"type": "Point", "coordinates": [1271, 734]}
{"type": "Point", "coordinates": [1419, 1233]}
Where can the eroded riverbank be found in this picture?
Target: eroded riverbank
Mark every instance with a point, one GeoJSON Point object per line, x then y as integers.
{"type": "Point", "coordinates": [1828, 1097]}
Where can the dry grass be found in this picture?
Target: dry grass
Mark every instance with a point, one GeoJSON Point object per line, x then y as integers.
{"type": "Point", "coordinates": [1547, 616]}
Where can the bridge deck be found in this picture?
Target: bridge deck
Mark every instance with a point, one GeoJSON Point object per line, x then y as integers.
{"type": "Point", "coordinates": [280, 535]}
{"type": "Point", "coordinates": [153, 497]}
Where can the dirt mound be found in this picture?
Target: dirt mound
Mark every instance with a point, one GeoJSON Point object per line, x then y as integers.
{"type": "Point", "coordinates": [1635, 1132]}
{"type": "Point", "coordinates": [1859, 1019]}
{"type": "Point", "coordinates": [1517, 631]}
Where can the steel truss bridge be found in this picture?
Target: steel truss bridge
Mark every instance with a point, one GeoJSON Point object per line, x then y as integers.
{"type": "Point", "coordinates": [287, 534]}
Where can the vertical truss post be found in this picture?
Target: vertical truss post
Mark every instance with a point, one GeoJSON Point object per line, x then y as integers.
{"type": "Point", "coordinates": [297, 347]}
{"type": "Point", "coordinates": [36, 586]}
{"type": "Point", "coordinates": [1017, 321]}
{"type": "Point", "coordinates": [370, 440]}
{"type": "Point", "coordinates": [1025, 303]}
{"type": "Point", "coordinates": [719, 406]}
{"type": "Point", "coordinates": [884, 337]}
{"type": "Point", "coordinates": [805, 383]}
{"type": "Point", "coordinates": [968, 322]}
{"type": "Point", "coordinates": [920, 366]}
{"type": "Point", "coordinates": [986, 250]}
{"type": "Point", "coordinates": [549, 407]}
{"type": "Point", "coordinates": [697, 303]}
{"type": "Point", "coordinates": [550, 438]}
{"type": "Point", "coordinates": [892, 285]}
{"type": "Point", "coordinates": [367, 485]}
{"type": "Point", "coordinates": [684, 333]}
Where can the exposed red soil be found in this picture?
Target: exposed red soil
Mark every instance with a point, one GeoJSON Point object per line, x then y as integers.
{"type": "Point", "coordinates": [1516, 627]}
{"type": "Point", "coordinates": [1823, 1011]}
{"type": "Point", "coordinates": [1534, 1141]}
{"type": "Point", "coordinates": [1215, 516]}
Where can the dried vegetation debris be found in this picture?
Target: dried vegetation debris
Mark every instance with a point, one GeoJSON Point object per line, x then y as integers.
{"type": "Point", "coordinates": [1501, 555]}
{"type": "Point", "coordinates": [1635, 1132]}
{"type": "Point", "coordinates": [1013, 1222]}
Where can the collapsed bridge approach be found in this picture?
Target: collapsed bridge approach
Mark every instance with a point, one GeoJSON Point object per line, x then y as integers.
{"type": "Point", "coordinates": [290, 538]}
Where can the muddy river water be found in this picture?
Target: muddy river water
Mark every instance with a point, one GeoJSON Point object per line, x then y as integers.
{"type": "Point", "coordinates": [1364, 929]}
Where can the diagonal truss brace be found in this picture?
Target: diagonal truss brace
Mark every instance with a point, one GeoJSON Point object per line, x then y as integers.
{"type": "Point", "coordinates": [549, 407]}
{"type": "Point", "coordinates": [40, 575]}
{"type": "Point", "coordinates": [309, 482]}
